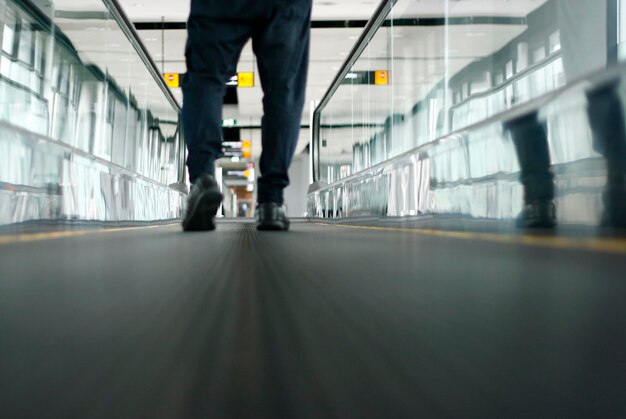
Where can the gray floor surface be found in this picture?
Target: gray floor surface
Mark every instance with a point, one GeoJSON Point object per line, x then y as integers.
{"type": "Point", "coordinates": [317, 323]}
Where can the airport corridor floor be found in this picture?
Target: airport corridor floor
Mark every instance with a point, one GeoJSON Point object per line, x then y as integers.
{"type": "Point", "coordinates": [324, 321]}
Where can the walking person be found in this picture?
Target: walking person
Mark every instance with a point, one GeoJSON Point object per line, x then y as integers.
{"type": "Point", "coordinates": [217, 33]}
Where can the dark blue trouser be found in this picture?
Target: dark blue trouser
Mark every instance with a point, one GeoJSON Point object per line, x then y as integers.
{"type": "Point", "coordinates": [218, 31]}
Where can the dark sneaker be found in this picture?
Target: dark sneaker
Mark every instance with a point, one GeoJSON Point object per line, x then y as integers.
{"type": "Point", "coordinates": [614, 215]}
{"type": "Point", "coordinates": [271, 216]}
{"type": "Point", "coordinates": [202, 205]}
{"type": "Point", "coordinates": [537, 214]}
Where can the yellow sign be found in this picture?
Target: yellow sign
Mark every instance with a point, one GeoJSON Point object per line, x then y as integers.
{"type": "Point", "coordinates": [172, 79]}
{"type": "Point", "coordinates": [246, 148]}
{"type": "Point", "coordinates": [245, 79]}
{"type": "Point", "coordinates": [381, 78]}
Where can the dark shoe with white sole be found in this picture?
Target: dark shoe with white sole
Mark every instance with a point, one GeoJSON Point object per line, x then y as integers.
{"type": "Point", "coordinates": [202, 205]}
{"type": "Point", "coordinates": [271, 217]}
{"type": "Point", "coordinates": [614, 198]}
{"type": "Point", "coordinates": [537, 214]}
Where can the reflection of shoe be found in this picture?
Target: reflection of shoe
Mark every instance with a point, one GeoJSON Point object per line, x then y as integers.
{"type": "Point", "coordinates": [614, 207]}
{"type": "Point", "coordinates": [202, 205]}
{"type": "Point", "coordinates": [271, 216]}
{"type": "Point", "coordinates": [537, 214]}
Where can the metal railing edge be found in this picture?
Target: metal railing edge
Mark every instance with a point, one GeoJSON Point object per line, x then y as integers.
{"type": "Point", "coordinates": [133, 36]}
{"type": "Point", "coordinates": [373, 25]}
{"type": "Point", "coordinates": [585, 83]}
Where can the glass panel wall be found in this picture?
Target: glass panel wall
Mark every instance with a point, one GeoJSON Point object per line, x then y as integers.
{"type": "Point", "coordinates": [69, 72]}
{"type": "Point", "coordinates": [450, 65]}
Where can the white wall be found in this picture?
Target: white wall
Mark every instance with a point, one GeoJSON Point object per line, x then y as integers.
{"type": "Point", "coordinates": [296, 192]}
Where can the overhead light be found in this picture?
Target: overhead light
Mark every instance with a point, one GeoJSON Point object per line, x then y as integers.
{"type": "Point", "coordinates": [138, 4]}
{"type": "Point", "coordinates": [151, 39]}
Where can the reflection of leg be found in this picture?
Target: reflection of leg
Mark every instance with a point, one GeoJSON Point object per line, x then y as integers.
{"type": "Point", "coordinates": [282, 49]}
{"type": "Point", "coordinates": [212, 53]}
{"type": "Point", "coordinates": [531, 145]}
{"type": "Point", "coordinates": [606, 117]}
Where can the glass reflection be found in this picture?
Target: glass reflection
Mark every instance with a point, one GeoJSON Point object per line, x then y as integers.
{"type": "Point", "coordinates": [456, 71]}
{"type": "Point", "coordinates": [71, 77]}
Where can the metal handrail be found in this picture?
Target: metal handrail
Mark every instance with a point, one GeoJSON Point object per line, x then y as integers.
{"type": "Point", "coordinates": [523, 73]}
{"type": "Point", "coordinates": [129, 29]}
{"type": "Point", "coordinates": [131, 33]}
{"type": "Point", "coordinates": [376, 21]}
{"type": "Point", "coordinates": [381, 19]}
{"type": "Point", "coordinates": [372, 27]}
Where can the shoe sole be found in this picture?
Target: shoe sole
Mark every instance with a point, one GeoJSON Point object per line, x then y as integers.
{"type": "Point", "coordinates": [272, 226]}
{"type": "Point", "coordinates": [541, 218]}
{"type": "Point", "coordinates": [201, 216]}
{"type": "Point", "coordinates": [538, 224]}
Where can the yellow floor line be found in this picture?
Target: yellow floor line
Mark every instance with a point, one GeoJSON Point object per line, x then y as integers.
{"type": "Point", "coordinates": [607, 245]}
{"type": "Point", "coordinates": [54, 235]}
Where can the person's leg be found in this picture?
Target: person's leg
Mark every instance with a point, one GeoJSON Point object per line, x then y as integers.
{"type": "Point", "coordinates": [585, 51]}
{"type": "Point", "coordinates": [213, 49]}
{"type": "Point", "coordinates": [606, 117]}
{"type": "Point", "coordinates": [212, 52]}
{"type": "Point", "coordinates": [282, 49]}
{"type": "Point", "coordinates": [531, 145]}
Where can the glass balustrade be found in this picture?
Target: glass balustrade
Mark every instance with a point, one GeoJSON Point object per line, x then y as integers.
{"type": "Point", "coordinates": [88, 129]}
{"type": "Point", "coordinates": [70, 72]}
{"type": "Point", "coordinates": [431, 68]}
